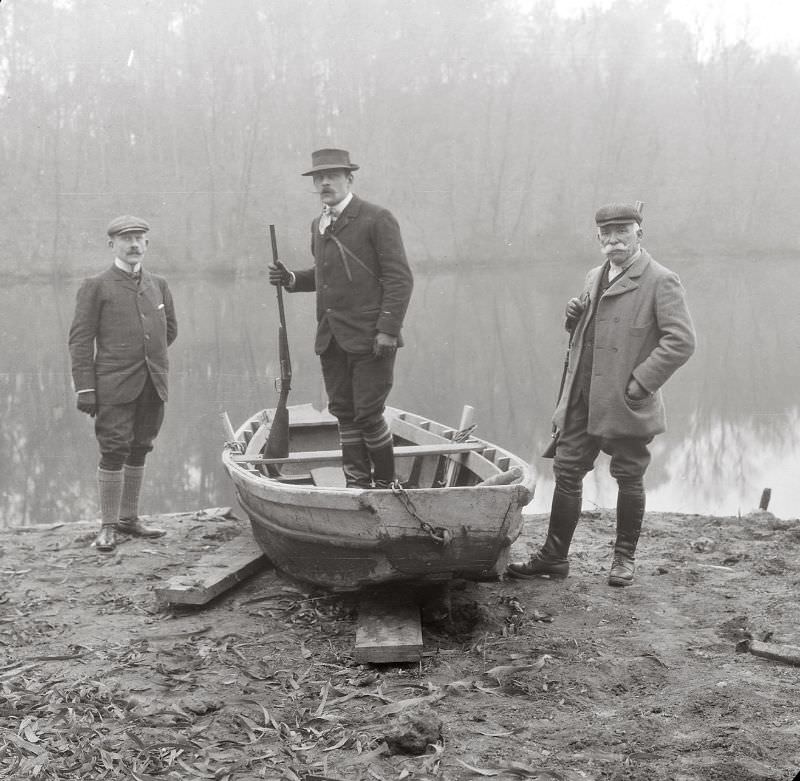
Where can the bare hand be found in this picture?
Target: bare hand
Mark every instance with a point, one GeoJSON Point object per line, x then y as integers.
{"type": "Point", "coordinates": [636, 391]}
{"type": "Point", "coordinates": [384, 345]}
{"type": "Point", "coordinates": [279, 275]}
{"type": "Point", "coordinates": [87, 402]}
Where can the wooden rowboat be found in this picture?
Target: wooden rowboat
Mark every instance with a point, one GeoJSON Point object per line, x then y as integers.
{"type": "Point", "coordinates": [315, 529]}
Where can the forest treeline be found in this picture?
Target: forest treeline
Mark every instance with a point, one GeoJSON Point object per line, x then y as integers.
{"type": "Point", "coordinates": [491, 132]}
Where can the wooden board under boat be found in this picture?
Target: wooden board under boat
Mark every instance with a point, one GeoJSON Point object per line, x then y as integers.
{"type": "Point", "coordinates": [315, 529]}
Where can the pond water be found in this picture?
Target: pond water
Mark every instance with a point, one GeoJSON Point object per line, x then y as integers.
{"type": "Point", "coordinates": [486, 337]}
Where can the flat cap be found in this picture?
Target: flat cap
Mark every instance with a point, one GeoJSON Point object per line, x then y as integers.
{"type": "Point", "coordinates": [621, 213]}
{"type": "Point", "coordinates": [127, 224]}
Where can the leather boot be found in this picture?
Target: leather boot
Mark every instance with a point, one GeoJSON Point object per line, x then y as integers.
{"type": "Point", "coordinates": [630, 511]}
{"type": "Point", "coordinates": [356, 466]}
{"type": "Point", "coordinates": [552, 557]}
{"type": "Point", "coordinates": [106, 540]}
{"type": "Point", "coordinates": [382, 466]}
{"type": "Point", "coordinates": [136, 528]}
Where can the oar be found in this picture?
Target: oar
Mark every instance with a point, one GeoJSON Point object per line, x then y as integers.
{"type": "Point", "coordinates": [278, 441]}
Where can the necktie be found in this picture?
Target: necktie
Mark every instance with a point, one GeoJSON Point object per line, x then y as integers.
{"type": "Point", "coordinates": [328, 218]}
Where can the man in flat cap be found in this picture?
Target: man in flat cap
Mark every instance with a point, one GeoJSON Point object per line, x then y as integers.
{"type": "Point", "coordinates": [630, 330]}
{"type": "Point", "coordinates": [124, 321]}
{"type": "Point", "coordinates": [363, 284]}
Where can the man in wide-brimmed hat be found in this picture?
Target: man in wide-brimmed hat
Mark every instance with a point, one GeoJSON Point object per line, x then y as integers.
{"type": "Point", "coordinates": [631, 330]}
{"type": "Point", "coordinates": [124, 321]}
{"type": "Point", "coordinates": [363, 284]}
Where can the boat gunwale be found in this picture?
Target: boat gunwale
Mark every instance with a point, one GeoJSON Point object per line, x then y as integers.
{"type": "Point", "coordinates": [413, 419]}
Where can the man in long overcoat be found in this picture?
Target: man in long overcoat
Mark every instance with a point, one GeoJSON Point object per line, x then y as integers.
{"type": "Point", "coordinates": [631, 329]}
{"type": "Point", "coordinates": [363, 284]}
{"type": "Point", "coordinates": [124, 321]}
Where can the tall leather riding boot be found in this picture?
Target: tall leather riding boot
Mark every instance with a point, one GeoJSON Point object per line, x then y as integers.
{"type": "Point", "coordinates": [382, 466]}
{"type": "Point", "coordinates": [630, 512]}
{"type": "Point", "coordinates": [552, 556]}
{"type": "Point", "coordinates": [356, 466]}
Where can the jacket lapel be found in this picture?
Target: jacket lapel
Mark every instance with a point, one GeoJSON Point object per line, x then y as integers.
{"type": "Point", "coordinates": [347, 216]}
{"type": "Point", "coordinates": [149, 289]}
{"type": "Point", "coordinates": [124, 279]}
{"type": "Point", "coordinates": [631, 280]}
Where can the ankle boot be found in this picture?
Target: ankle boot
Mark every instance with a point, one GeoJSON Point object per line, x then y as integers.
{"type": "Point", "coordinates": [630, 511]}
{"type": "Point", "coordinates": [356, 466]}
{"type": "Point", "coordinates": [552, 557]}
{"type": "Point", "coordinates": [135, 527]}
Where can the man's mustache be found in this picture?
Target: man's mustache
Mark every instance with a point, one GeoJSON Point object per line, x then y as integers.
{"type": "Point", "coordinates": [606, 248]}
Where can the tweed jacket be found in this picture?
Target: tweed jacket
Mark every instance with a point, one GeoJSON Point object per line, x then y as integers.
{"type": "Point", "coordinates": [120, 334]}
{"type": "Point", "coordinates": [361, 276]}
{"type": "Point", "coordinates": [643, 330]}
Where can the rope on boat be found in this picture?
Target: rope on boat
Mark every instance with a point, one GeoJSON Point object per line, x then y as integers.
{"type": "Point", "coordinates": [465, 433]}
{"type": "Point", "coordinates": [439, 535]}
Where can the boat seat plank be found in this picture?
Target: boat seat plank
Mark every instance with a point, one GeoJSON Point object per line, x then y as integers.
{"type": "Point", "coordinates": [328, 477]}
{"type": "Point", "coordinates": [478, 463]}
{"type": "Point", "coordinates": [387, 631]}
{"type": "Point", "coordinates": [403, 451]}
{"type": "Point", "coordinates": [216, 572]}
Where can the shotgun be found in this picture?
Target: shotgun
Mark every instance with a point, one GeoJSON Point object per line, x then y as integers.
{"type": "Point", "coordinates": [550, 450]}
{"type": "Point", "coordinates": [277, 445]}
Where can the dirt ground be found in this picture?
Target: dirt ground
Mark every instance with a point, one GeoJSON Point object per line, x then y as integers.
{"type": "Point", "coordinates": [538, 679]}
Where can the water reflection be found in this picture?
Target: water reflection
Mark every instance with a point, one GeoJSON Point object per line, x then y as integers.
{"type": "Point", "coordinates": [482, 337]}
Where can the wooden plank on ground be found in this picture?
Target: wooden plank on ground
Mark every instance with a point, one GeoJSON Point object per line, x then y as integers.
{"type": "Point", "coordinates": [387, 631]}
{"type": "Point", "coordinates": [403, 451]}
{"type": "Point", "coordinates": [216, 572]}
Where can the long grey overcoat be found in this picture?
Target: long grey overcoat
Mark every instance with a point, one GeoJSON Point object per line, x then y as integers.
{"type": "Point", "coordinates": [120, 334]}
{"type": "Point", "coordinates": [643, 329]}
{"type": "Point", "coordinates": [361, 276]}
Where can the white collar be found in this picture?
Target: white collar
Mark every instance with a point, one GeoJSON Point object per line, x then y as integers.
{"type": "Point", "coordinates": [615, 271]}
{"type": "Point", "coordinates": [126, 267]}
{"type": "Point", "coordinates": [338, 207]}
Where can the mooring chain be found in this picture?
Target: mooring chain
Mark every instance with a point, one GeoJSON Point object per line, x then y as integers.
{"type": "Point", "coordinates": [440, 535]}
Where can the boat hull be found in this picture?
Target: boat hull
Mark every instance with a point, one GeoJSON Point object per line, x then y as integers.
{"type": "Point", "coordinates": [345, 539]}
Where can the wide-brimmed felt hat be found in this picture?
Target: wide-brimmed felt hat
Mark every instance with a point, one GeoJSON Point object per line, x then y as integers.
{"type": "Point", "coordinates": [127, 223]}
{"type": "Point", "coordinates": [330, 160]}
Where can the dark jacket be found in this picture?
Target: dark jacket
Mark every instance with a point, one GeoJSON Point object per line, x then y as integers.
{"type": "Point", "coordinates": [642, 329]}
{"type": "Point", "coordinates": [361, 276]}
{"type": "Point", "coordinates": [120, 334]}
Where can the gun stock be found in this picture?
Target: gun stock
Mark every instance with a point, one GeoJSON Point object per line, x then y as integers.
{"type": "Point", "coordinates": [277, 445]}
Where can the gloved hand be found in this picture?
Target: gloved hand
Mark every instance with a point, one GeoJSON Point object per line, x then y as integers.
{"type": "Point", "coordinates": [384, 345]}
{"type": "Point", "coordinates": [279, 275]}
{"type": "Point", "coordinates": [575, 307]}
{"type": "Point", "coordinates": [87, 402]}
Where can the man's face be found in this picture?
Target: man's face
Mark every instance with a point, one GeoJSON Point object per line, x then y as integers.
{"type": "Point", "coordinates": [333, 185]}
{"type": "Point", "coordinates": [129, 246]}
{"type": "Point", "coordinates": [619, 242]}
